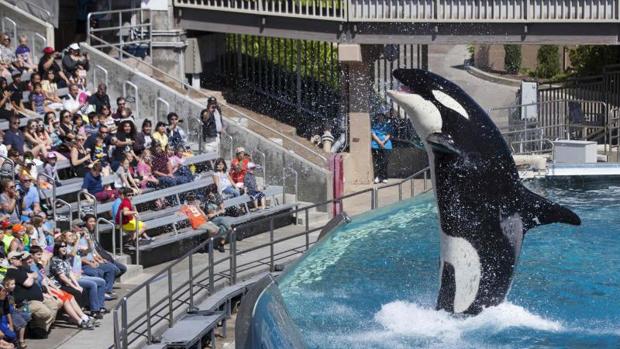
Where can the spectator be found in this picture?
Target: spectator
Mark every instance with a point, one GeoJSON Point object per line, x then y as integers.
{"type": "Point", "coordinates": [8, 201]}
{"type": "Point", "coordinates": [176, 136]}
{"type": "Point", "coordinates": [211, 124]}
{"type": "Point", "coordinates": [74, 103]}
{"type": "Point", "coordinates": [166, 172]}
{"type": "Point", "coordinates": [99, 253]}
{"type": "Point", "coordinates": [7, 56]}
{"type": "Point", "coordinates": [126, 215]}
{"type": "Point", "coordinates": [249, 183]}
{"type": "Point", "coordinates": [381, 145]}
{"type": "Point", "coordinates": [223, 181]}
{"type": "Point", "coordinates": [239, 167]}
{"type": "Point", "coordinates": [39, 236]}
{"type": "Point", "coordinates": [199, 220]}
{"type": "Point", "coordinates": [96, 268]}
{"type": "Point", "coordinates": [145, 172]}
{"type": "Point", "coordinates": [14, 240]}
{"type": "Point", "coordinates": [123, 142]}
{"type": "Point", "coordinates": [143, 139]}
{"type": "Point", "coordinates": [93, 124]}
{"type": "Point", "coordinates": [106, 119]}
{"type": "Point", "coordinates": [69, 303]}
{"type": "Point", "coordinates": [100, 146]}
{"type": "Point", "coordinates": [80, 156]}
{"type": "Point", "coordinates": [13, 137]}
{"type": "Point", "coordinates": [5, 100]}
{"type": "Point", "coordinates": [14, 322]}
{"type": "Point", "coordinates": [49, 169]}
{"type": "Point", "coordinates": [120, 106]}
{"type": "Point", "coordinates": [160, 134]}
{"type": "Point", "coordinates": [51, 125]}
{"type": "Point", "coordinates": [48, 62]}
{"type": "Point", "coordinates": [28, 292]}
{"type": "Point", "coordinates": [4, 152]}
{"type": "Point", "coordinates": [66, 130]}
{"type": "Point", "coordinates": [37, 145]}
{"type": "Point", "coordinates": [61, 270]}
{"type": "Point", "coordinates": [50, 89]}
{"type": "Point", "coordinates": [17, 92]}
{"type": "Point", "coordinates": [100, 98]}
{"type": "Point", "coordinates": [74, 59]}
{"type": "Point", "coordinates": [24, 53]}
{"type": "Point", "coordinates": [124, 178]}
{"type": "Point", "coordinates": [94, 185]}
{"type": "Point", "coordinates": [31, 204]}
{"type": "Point", "coordinates": [37, 100]}
{"type": "Point", "coordinates": [78, 125]}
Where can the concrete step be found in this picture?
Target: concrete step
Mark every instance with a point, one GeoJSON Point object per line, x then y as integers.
{"type": "Point", "coordinates": [133, 271]}
{"type": "Point", "coordinates": [124, 259]}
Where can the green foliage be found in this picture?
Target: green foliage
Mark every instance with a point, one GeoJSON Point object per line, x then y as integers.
{"type": "Point", "coordinates": [590, 60]}
{"type": "Point", "coordinates": [512, 58]}
{"type": "Point", "coordinates": [315, 57]}
{"type": "Point", "coordinates": [548, 59]}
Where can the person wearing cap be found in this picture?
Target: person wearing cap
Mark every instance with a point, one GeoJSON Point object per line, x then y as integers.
{"type": "Point", "coordinates": [176, 135]}
{"type": "Point", "coordinates": [239, 166]}
{"type": "Point", "coordinates": [381, 144]}
{"type": "Point", "coordinates": [251, 188]}
{"type": "Point", "coordinates": [50, 168]}
{"type": "Point", "coordinates": [29, 294]}
{"type": "Point", "coordinates": [14, 239]}
{"type": "Point", "coordinates": [73, 60]}
{"type": "Point", "coordinates": [211, 118]}
{"type": "Point", "coordinates": [48, 62]}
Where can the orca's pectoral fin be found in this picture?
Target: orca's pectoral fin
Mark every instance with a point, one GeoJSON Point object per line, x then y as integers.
{"type": "Point", "coordinates": [537, 211]}
{"type": "Point", "coordinates": [442, 143]}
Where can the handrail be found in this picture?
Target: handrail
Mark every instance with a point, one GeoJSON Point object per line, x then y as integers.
{"type": "Point", "coordinates": [87, 195]}
{"type": "Point", "coordinates": [188, 291]}
{"type": "Point", "coordinates": [189, 88]}
{"type": "Point", "coordinates": [52, 181]}
{"type": "Point", "coordinates": [425, 171]}
{"type": "Point", "coordinates": [7, 159]}
{"type": "Point", "coordinates": [101, 219]}
{"type": "Point", "coordinates": [64, 203]}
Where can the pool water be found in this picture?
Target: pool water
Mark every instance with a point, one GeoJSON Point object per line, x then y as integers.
{"type": "Point", "coordinates": [373, 283]}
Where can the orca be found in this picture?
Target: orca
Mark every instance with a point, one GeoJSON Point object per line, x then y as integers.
{"type": "Point", "coordinates": [484, 209]}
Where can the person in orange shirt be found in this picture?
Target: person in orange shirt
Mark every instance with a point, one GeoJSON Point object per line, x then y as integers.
{"type": "Point", "coordinates": [239, 166]}
{"type": "Point", "coordinates": [199, 220]}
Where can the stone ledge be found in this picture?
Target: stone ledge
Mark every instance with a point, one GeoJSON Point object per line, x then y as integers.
{"type": "Point", "coordinates": [492, 77]}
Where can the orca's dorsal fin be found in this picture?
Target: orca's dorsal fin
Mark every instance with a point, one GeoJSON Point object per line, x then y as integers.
{"type": "Point", "coordinates": [536, 210]}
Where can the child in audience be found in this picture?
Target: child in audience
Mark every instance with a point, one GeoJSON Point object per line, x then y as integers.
{"type": "Point", "coordinates": [37, 100]}
{"type": "Point", "coordinates": [222, 180]}
{"type": "Point", "coordinates": [249, 183]}
{"type": "Point", "coordinates": [124, 179]}
{"type": "Point", "coordinates": [17, 319]}
{"type": "Point", "coordinates": [126, 213]}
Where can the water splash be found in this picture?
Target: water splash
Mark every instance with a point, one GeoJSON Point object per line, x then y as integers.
{"type": "Point", "coordinates": [412, 320]}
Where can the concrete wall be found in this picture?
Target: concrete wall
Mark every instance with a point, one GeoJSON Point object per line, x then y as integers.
{"type": "Point", "coordinates": [492, 57]}
{"type": "Point", "coordinates": [314, 182]}
{"type": "Point", "coordinates": [28, 25]}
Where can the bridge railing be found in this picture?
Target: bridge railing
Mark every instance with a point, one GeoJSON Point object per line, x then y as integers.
{"type": "Point", "coordinates": [422, 10]}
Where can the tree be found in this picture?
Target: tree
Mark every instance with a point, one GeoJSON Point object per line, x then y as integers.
{"type": "Point", "coordinates": [590, 60]}
{"type": "Point", "coordinates": [512, 58]}
{"type": "Point", "coordinates": [548, 59]}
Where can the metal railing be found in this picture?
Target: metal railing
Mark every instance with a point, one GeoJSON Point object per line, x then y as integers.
{"type": "Point", "coordinates": [227, 110]}
{"type": "Point", "coordinates": [514, 11]}
{"type": "Point", "coordinates": [425, 173]}
{"type": "Point", "coordinates": [140, 33]}
{"type": "Point", "coordinates": [185, 289]}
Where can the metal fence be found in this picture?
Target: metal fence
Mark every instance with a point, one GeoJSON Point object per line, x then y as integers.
{"type": "Point", "coordinates": [532, 127]}
{"type": "Point", "coordinates": [552, 11]}
{"type": "Point", "coordinates": [183, 284]}
{"type": "Point", "coordinates": [302, 76]}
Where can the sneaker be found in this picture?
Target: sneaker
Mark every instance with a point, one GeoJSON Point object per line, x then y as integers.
{"type": "Point", "coordinates": [104, 310]}
{"type": "Point", "coordinates": [221, 248]}
{"type": "Point", "coordinates": [96, 315]}
{"type": "Point", "coordinates": [85, 325]}
{"type": "Point", "coordinates": [384, 181]}
{"type": "Point", "coordinates": [110, 297]}
{"type": "Point", "coordinates": [376, 180]}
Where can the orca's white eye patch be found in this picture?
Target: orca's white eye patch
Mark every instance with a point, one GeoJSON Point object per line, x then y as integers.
{"type": "Point", "coordinates": [450, 103]}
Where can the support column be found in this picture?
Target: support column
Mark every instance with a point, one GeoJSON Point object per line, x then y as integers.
{"type": "Point", "coordinates": [357, 80]}
{"type": "Point", "coordinates": [424, 57]}
{"type": "Point", "coordinates": [168, 43]}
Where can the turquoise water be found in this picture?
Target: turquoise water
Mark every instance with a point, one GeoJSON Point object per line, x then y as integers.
{"type": "Point", "coordinates": [373, 283]}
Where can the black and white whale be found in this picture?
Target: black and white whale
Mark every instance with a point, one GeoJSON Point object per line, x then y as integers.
{"type": "Point", "coordinates": [484, 210]}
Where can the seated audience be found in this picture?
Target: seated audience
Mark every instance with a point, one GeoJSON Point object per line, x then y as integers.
{"type": "Point", "coordinates": [249, 184]}
{"type": "Point", "coordinates": [176, 136]}
{"type": "Point", "coordinates": [94, 185]}
{"type": "Point", "coordinates": [126, 215]}
{"type": "Point", "coordinates": [239, 166]}
{"type": "Point", "coordinates": [223, 181]}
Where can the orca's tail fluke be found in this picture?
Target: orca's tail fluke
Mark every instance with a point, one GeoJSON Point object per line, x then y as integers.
{"type": "Point", "coordinates": [536, 210]}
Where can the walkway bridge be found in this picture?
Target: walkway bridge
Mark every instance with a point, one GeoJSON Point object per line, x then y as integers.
{"type": "Point", "coordinates": [410, 21]}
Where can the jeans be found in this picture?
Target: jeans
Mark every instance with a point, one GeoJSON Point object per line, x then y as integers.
{"type": "Point", "coordinates": [230, 192]}
{"type": "Point", "coordinates": [106, 271]}
{"type": "Point", "coordinates": [95, 287]}
{"type": "Point", "coordinates": [122, 268]}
